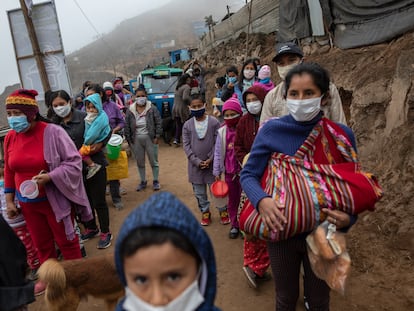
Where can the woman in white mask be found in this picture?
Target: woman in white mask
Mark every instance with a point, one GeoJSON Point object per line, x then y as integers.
{"type": "Point", "coordinates": [288, 56]}
{"type": "Point", "coordinates": [304, 128]}
{"type": "Point", "coordinates": [165, 259]}
{"type": "Point", "coordinates": [247, 77]}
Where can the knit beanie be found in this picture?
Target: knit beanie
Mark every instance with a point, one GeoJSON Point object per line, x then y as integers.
{"type": "Point", "coordinates": [25, 101]}
{"type": "Point", "coordinates": [233, 104]}
{"type": "Point", "coordinates": [108, 85]}
{"type": "Point", "coordinates": [264, 72]}
{"type": "Point", "coordinates": [258, 90]}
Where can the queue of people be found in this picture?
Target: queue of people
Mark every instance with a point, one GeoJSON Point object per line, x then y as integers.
{"type": "Point", "coordinates": [257, 121]}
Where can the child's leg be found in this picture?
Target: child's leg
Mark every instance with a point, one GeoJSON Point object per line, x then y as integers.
{"type": "Point", "coordinates": [200, 193]}
{"type": "Point", "coordinates": [32, 258]}
{"type": "Point", "coordinates": [256, 256]}
{"type": "Point", "coordinates": [234, 197]}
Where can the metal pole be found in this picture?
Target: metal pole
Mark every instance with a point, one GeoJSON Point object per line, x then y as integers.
{"type": "Point", "coordinates": [36, 48]}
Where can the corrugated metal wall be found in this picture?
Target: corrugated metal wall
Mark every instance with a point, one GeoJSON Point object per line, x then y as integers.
{"type": "Point", "coordinates": [264, 18]}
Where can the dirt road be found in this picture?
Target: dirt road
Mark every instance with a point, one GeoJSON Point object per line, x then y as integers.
{"type": "Point", "coordinates": [233, 292]}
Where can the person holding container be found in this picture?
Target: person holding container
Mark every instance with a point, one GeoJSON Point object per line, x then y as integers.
{"type": "Point", "coordinates": [43, 152]}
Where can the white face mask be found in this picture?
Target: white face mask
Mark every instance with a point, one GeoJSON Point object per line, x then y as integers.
{"type": "Point", "coordinates": [62, 111]}
{"type": "Point", "coordinates": [283, 71]}
{"type": "Point", "coordinates": [188, 300]}
{"type": "Point", "coordinates": [91, 116]}
{"type": "Point", "coordinates": [304, 110]}
{"type": "Point", "coordinates": [254, 107]}
{"type": "Point", "coordinates": [141, 101]}
{"type": "Point", "coordinates": [249, 73]}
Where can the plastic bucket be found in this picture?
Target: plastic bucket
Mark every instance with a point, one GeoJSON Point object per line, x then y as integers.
{"type": "Point", "coordinates": [220, 191]}
{"type": "Point", "coordinates": [29, 189]}
{"type": "Point", "coordinates": [114, 146]}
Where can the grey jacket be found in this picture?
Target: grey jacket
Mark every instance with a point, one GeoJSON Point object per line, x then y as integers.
{"type": "Point", "coordinates": [152, 117]}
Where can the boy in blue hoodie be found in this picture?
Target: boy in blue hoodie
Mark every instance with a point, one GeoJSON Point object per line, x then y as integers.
{"type": "Point", "coordinates": [165, 259]}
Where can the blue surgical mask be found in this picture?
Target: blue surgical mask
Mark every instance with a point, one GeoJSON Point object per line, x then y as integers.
{"type": "Point", "coordinates": [1, 183]}
{"type": "Point", "coordinates": [18, 123]}
{"type": "Point", "coordinates": [198, 113]}
{"type": "Point", "coordinates": [232, 80]}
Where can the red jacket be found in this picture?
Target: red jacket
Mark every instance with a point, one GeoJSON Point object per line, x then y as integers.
{"type": "Point", "coordinates": [245, 134]}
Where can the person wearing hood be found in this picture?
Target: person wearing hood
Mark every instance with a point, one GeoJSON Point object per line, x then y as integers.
{"type": "Point", "coordinates": [165, 259]}
{"type": "Point", "coordinates": [264, 80]}
{"type": "Point", "coordinates": [255, 256]}
{"type": "Point", "coordinates": [288, 56]}
{"type": "Point", "coordinates": [142, 131]}
{"type": "Point", "coordinates": [96, 130]}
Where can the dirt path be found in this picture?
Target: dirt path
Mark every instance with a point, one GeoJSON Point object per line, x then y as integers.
{"type": "Point", "coordinates": [233, 293]}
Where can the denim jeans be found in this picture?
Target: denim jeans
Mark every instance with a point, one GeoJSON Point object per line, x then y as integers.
{"type": "Point", "coordinates": [200, 192]}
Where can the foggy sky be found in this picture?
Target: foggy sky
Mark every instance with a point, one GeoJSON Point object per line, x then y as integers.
{"type": "Point", "coordinates": [75, 29]}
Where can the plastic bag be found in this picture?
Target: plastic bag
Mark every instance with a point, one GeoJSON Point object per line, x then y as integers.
{"type": "Point", "coordinates": [117, 169]}
{"type": "Point", "coordinates": [329, 259]}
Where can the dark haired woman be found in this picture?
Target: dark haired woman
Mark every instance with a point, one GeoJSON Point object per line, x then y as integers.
{"type": "Point", "coordinates": [180, 109]}
{"type": "Point", "coordinates": [72, 121]}
{"type": "Point", "coordinates": [239, 85]}
{"type": "Point", "coordinates": [307, 87]}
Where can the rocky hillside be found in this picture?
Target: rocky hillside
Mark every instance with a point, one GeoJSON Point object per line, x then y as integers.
{"type": "Point", "coordinates": [376, 84]}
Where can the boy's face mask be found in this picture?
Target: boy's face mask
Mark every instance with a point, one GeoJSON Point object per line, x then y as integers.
{"type": "Point", "coordinates": [189, 300]}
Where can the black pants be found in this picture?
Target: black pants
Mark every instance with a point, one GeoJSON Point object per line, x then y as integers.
{"type": "Point", "coordinates": [114, 186]}
{"type": "Point", "coordinates": [95, 189]}
{"type": "Point", "coordinates": [286, 258]}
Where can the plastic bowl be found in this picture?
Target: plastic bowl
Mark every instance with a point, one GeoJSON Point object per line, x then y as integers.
{"type": "Point", "coordinates": [220, 189]}
{"type": "Point", "coordinates": [29, 189]}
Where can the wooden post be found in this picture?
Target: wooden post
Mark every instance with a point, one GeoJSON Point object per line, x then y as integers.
{"type": "Point", "coordinates": [248, 27]}
{"type": "Point", "coordinates": [35, 46]}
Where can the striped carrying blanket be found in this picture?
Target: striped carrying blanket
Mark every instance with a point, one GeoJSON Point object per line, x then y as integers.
{"type": "Point", "coordinates": [323, 173]}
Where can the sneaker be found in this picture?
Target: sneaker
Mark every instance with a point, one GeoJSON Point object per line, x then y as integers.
{"type": "Point", "coordinates": [122, 191]}
{"type": "Point", "coordinates": [142, 186]}
{"type": "Point", "coordinates": [32, 276]}
{"type": "Point", "coordinates": [205, 219]}
{"type": "Point", "coordinates": [250, 276]}
{"type": "Point", "coordinates": [176, 143]}
{"type": "Point", "coordinates": [234, 233]}
{"type": "Point", "coordinates": [119, 205]}
{"type": "Point", "coordinates": [224, 218]}
{"type": "Point", "coordinates": [105, 240]}
{"type": "Point", "coordinates": [156, 185]}
{"type": "Point", "coordinates": [83, 252]}
{"type": "Point", "coordinates": [306, 303]}
{"type": "Point", "coordinates": [265, 277]}
{"type": "Point", "coordinates": [39, 288]}
{"type": "Point", "coordinates": [89, 234]}
{"type": "Point", "coordinates": [92, 170]}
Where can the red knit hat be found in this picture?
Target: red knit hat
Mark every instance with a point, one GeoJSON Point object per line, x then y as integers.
{"type": "Point", "coordinates": [233, 104]}
{"type": "Point", "coordinates": [257, 90]}
{"type": "Point", "coordinates": [25, 101]}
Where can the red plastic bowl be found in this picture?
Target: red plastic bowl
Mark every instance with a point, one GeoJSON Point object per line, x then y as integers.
{"type": "Point", "coordinates": [219, 189]}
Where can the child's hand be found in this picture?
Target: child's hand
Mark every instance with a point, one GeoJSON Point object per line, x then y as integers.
{"type": "Point", "coordinates": [218, 177]}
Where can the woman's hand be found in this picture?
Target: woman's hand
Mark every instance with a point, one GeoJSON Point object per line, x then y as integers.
{"type": "Point", "coordinates": [338, 218]}
{"type": "Point", "coordinates": [42, 179]}
{"type": "Point", "coordinates": [11, 210]}
{"type": "Point", "coordinates": [272, 216]}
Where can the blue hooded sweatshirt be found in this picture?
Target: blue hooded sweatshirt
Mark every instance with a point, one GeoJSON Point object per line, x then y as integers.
{"type": "Point", "coordinates": [99, 129]}
{"type": "Point", "coordinates": [165, 210]}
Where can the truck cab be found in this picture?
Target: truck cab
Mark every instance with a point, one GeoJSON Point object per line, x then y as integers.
{"type": "Point", "coordinates": [160, 83]}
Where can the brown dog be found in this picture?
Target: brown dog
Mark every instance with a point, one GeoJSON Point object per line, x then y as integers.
{"type": "Point", "coordinates": [72, 280]}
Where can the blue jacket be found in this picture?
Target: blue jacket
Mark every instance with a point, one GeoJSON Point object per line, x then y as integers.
{"type": "Point", "coordinates": [99, 129]}
{"type": "Point", "coordinates": [164, 209]}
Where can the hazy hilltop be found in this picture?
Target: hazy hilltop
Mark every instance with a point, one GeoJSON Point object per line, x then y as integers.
{"type": "Point", "coordinates": [141, 40]}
